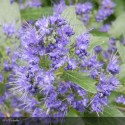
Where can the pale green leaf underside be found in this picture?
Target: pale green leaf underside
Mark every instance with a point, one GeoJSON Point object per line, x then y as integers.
{"type": "Point", "coordinates": [9, 13]}
{"type": "Point", "coordinates": [118, 26]}
{"type": "Point", "coordinates": [121, 51]}
{"type": "Point", "coordinates": [98, 40]}
{"type": "Point", "coordinates": [121, 75]}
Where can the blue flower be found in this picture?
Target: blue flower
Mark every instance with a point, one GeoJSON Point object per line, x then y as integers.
{"type": "Point", "coordinates": [9, 29]}
{"type": "Point", "coordinates": [113, 66]}
{"type": "Point", "coordinates": [82, 45]}
{"type": "Point", "coordinates": [1, 77]}
{"type": "Point", "coordinates": [58, 8]}
{"type": "Point", "coordinates": [98, 49]}
{"type": "Point", "coordinates": [83, 10]}
{"type": "Point", "coordinates": [106, 9]}
{"type": "Point", "coordinates": [98, 102]}
{"type": "Point", "coordinates": [121, 99]}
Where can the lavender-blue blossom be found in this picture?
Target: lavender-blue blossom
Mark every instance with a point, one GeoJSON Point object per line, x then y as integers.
{"type": "Point", "coordinates": [106, 9]}
{"type": "Point", "coordinates": [9, 29]}
{"type": "Point", "coordinates": [1, 77]}
{"type": "Point", "coordinates": [113, 66]}
{"type": "Point", "coordinates": [84, 10]}
{"type": "Point", "coordinates": [82, 45]}
{"type": "Point", "coordinates": [121, 99]}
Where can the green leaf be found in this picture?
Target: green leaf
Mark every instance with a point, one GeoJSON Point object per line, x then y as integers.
{"type": "Point", "coordinates": [121, 75]}
{"type": "Point", "coordinates": [121, 50]}
{"type": "Point", "coordinates": [118, 26]}
{"type": "Point", "coordinates": [98, 40]}
{"type": "Point", "coordinates": [36, 13]}
{"type": "Point", "coordinates": [9, 13]}
{"type": "Point", "coordinates": [81, 79]}
{"type": "Point", "coordinates": [112, 112]}
{"type": "Point", "coordinates": [72, 113]}
{"type": "Point", "coordinates": [120, 7]}
{"type": "Point", "coordinates": [70, 15]}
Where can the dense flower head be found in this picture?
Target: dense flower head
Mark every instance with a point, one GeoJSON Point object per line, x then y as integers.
{"type": "Point", "coordinates": [27, 85]}
{"type": "Point", "coordinates": [121, 99]}
{"type": "Point", "coordinates": [83, 10]}
{"type": "Point", "coordinates": [58, 8]}
{"type": "Point", "coordinates": [106, 9]}
{"type": "Point", "coordinates": [8, 66]}
{"type": "Point", "coordinates": [112, 45]}
{"type": "Point", "coordinates": [48, 39]}
{"type": "Point", "coordinates": [92, 63]}
{"type": "Point", "coordinates": [9, 29]}
{"type": "Point", "coordinates": [104, 89]}
{"type": "Point", "coordinates": [113, 66]}
{"type": "Point", "coordinates": [2, 114]}
{"type": "Point", "coordinates": [82, 45]}
{"type": "Point", "coordinates": [45, 55]}
{"type": "Point", "coordinates": [98, 49]}
{"type": "Point", "coordinates": [98, 102]}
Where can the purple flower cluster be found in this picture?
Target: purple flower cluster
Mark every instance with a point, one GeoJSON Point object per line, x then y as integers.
{"type": "Point", "coordinates": [39, 83]}
{"type": "Point", "coordinates": [121, 99]}
{"type": "Point", "coordinates": [112, 45]}
{"type": "Point", "coordinates": [98, 49]}
{"type": "Point", "coordinates": [48, 39]}
{"type": "Point", "coordinates": [83, 10]}
{"type": "Point", "coordinates": [55, 100]}
{"type": "Point", "coordinates": [58, 8]}
{"type": "Point", "coordinates": [104, 88]}
{"type": "Point", "coordinates": [105, 84]}
{"type": "Point", "coordinates": [82, 45]}
{"type": "Point", "coordinates": [106, 9]}
{"type": "Point", "coordinates": [113, 66]}
{"type": "Point", "coordinates": [9, 29]}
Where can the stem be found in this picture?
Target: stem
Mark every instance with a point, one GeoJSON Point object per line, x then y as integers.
{"type": "Point", "coordinates": [58, 73]}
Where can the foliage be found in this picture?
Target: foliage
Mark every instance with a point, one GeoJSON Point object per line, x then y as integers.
{"type": "Point", "coordinates": [12, 14]}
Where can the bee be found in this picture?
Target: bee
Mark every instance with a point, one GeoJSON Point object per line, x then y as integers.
{"type": "Point", "coordinates": [97, 78]}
